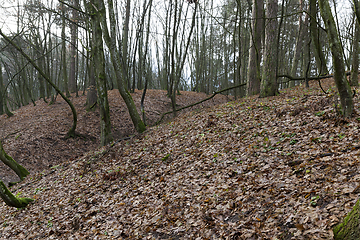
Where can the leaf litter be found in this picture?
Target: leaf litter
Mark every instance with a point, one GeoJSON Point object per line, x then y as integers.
{"type": "Point", "coordinates": [36, 136]}
{"type": "Point", "coordinates": [284, 167]}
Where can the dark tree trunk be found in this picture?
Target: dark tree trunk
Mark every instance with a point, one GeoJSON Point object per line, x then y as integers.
{"type": "Point", "coordinates": [254, 74]}
{"type": "Point", "coordinates": [63, 53]}
{"type": "Point", "coordinates": [10, 199]}
{"type": "Point", "coordinates": [349, 229]}
{"type": "Point", "coordinates": [269, 83]}
{"type": "Point", "coordinates": [355, 57]}
{"type": "Point", "coordinates": [10, 162]}
{"type": "Point", "coordinates": [99, 60]}
{"type": "Point", "coordinates": [2, 92]}
{"type": "Point", "coordinates": [73, 49]}
{"type": "Point", "coordinates": [342, 84]}
{"type": "Point", "coordinates": [314, 31]}
{"type": "Point", "coordinates": [5, 194]}
{"type": "Point", "coordinates": [119, 69]}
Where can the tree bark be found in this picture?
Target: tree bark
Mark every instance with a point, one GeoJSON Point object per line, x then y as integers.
{"type": "Point", "coordinates": [91, 96]}
{"type": "Point", "coordinates": [299, 42]}
{"type": "Point", "coordinates": [10, 162]}
{"type": "Point", "coordinates": [99, 60]}
{"type": "Point", "coordinates": [2, 91]}
{"type": "Point", "coordinates": [115, 58]}
{"type": "Point", "coordinates": [178, 57]}
{"type": "Point", "coordinates": [41, 65]}
{"type": "Point", "coordinates": [73, 47]}
{"type": "Point", "coordinates": [125, 39]}
{"type": "Point", "coordinates": [314, 31]}
{"type": "Point", "coordinates": [349, 229]}
{"type": "Point", "coordinates": [10, 199]}
{"type": "Point", "coordinates": [269, 82]}
{"type": "Point", "coordinates": [357, 10]}
{"type": "Point", "coordinates": [257, 25]}
{"type": "Point", "coordinates": [355, 57]}
{"type": "Point", "coordinates": [338, 60]}
{"type": "Point", "coordinates": [63, 52]}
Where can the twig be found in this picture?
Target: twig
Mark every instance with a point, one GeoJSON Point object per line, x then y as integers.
{"type": "Point", "coordinates": [13, 133]}
{"type": "Point", "coordinates": [309, 78]}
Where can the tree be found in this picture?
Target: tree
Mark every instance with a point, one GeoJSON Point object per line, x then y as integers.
{"type": "Point", "coordinates": [355, 56]}
{"type": "Point", "coordinates": [349, 228]}
{"type": "Point", "coordinates": [269, 83]}
{"type": "Point", "coordinates": [125, 38]}
{"type": "Point", "coordinates": [357, 10]}
{"type": "Point", "coordinates": [338, 59]}
{"type": "Point", "coordinates": [71, 132]}
{"type": "Point", "coordinates": [10, 162]}
{"type": "Point", "coordinates": [12, 200]}
{"type": "Point", "coordinates": [99, 64]}
{"type": "Point", "coordinates": [299, 43]}
{"type": "Point", "coordinates": [315, 36]}
{"type": "Point", "coordinates": [63, 51]}
{"type": "Point", "coordinates": [73, 48]}
{"type": "Point", "coordinates": [5, 194]}
{"type": "Point", "coordinates": [110, 40]}
{"type": "Point", "coordinates": [253, 75]}
{"type": "Point", "coordinates": [2, 91]}
{"type": "Point", "coordinates": [178, 51]}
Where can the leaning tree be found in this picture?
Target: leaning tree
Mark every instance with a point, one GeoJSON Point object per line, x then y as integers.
{"type": "Point", "coordinates": [5, 193]}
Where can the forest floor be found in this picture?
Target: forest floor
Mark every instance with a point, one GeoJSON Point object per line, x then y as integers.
{"type": "Point", "coordinates": [36, 135]}
{"type": "Point", "coordinates": [283, 167]}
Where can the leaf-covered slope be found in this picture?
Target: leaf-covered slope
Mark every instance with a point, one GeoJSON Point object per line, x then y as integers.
{"type": "Point", "coordinates": [283, 167]}
{"type": "Point", "coordinates": [35, 135]}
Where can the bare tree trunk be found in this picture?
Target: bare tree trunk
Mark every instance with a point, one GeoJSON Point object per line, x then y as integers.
{"type": "Point", "coordinates": [269, 83]}
{"type": "Point", "coordinates": [2, 91]}
{"type": "Point", "coordinates": [10, 199]}
{"type": "Point", "coordinates": [299, 43]}
{"type": "Point", "coordinates": [3, 100]}
{"type": "Point", "coordinates": [10, 162]}
{"type": "Point", "coordinates": [63, 52]}
{"type": "Point", "coordinates": [226, 61]}
{"type": "Point", "coordinates": [357, 10]}
{"type": "Point", "coordinates": [349, 228]}
{"type": "Point", "coordinates": [235, 61]}
{"type": "Point", "coordinates": [178, 57]}
{"type": "Point", "coordinates": [338, 60]}
{"type": "Point", "coordinates": [116, 61]}
{"type": "Point", "coordinates": [73, 49]}
{"type": "Point", "coordinates": [91, 96]}
{"type": "Point", "coordinates": [253, 75]}
{"type": "Point", "coordinates": [5, 194]}
{"type": "Point", "coordinates": [49, 60]}
{"type": "Point", "coordinates": [125, 39]}
{"type": "Point", "coordinates": [99, 62]}
{"type": "Point", "coordinates": [147, 69]}
{"type": "Point", "coordinates": [41, 63]}
{"type": "Point", "coordinates": [314, 31]}
{"type": "Point", "coordinates": [355, 57]}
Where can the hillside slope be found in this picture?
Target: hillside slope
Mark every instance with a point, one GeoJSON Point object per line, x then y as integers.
{"type": "Point", "coordinates": [283, 167]}
{"type": "Point", "coordinates": [35, 135]}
